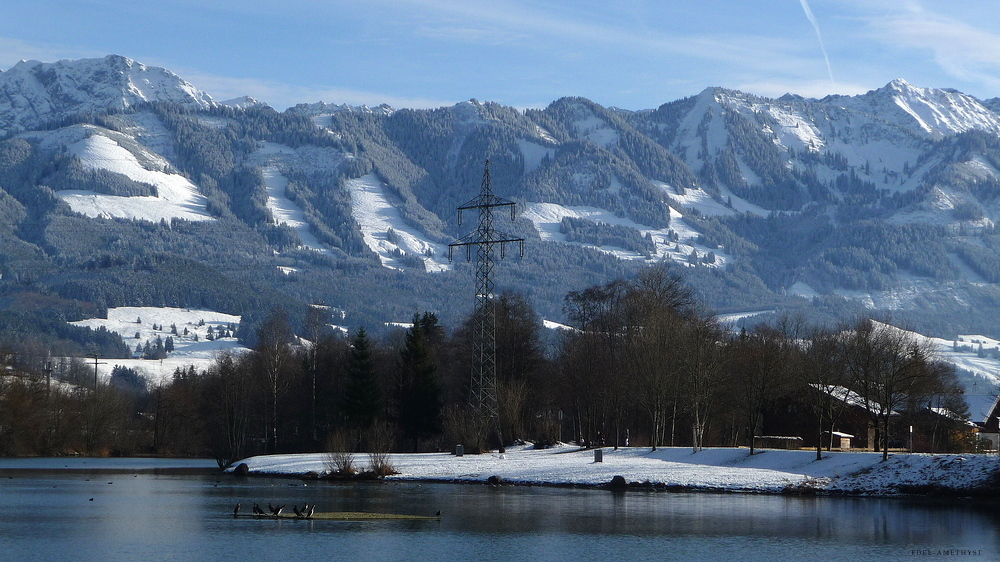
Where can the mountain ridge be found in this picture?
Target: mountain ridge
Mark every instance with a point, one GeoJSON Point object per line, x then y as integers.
{"type": "Point", "coordinates": [884, 201]}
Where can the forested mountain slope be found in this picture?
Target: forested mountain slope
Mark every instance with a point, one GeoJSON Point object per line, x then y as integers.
{"type": "Point", "coordinates": [123, 185]}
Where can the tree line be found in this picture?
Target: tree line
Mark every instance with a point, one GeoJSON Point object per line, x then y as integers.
{"type": "Point", "coordinates": [643, 364]}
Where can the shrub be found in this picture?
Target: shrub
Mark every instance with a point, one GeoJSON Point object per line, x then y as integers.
{"type": "Point", "coordinates": [379, 438]}
{"type": "Point", "coordinates": [339, 458]}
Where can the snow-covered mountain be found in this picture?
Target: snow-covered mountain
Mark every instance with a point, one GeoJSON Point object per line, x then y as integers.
{"type": "Point", "coordinates": [33, 93]}
{"type": "Point", "coordinates": [932, 112]}
{"type": "Point", "coordinates": [884, 201]}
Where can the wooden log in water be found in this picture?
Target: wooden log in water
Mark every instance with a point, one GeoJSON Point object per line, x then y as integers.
{"type": "Point", "coordinates": [345, 516]}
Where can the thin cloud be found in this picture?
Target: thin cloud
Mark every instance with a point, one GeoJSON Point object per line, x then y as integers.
{"type": "Point", "coordinates": [516, 21]}
{"type": "Point", "coordinates": [281, 96]}
{"type": "Point", "coordinates": [960, 49]}
{"type": "Point", "coordinates": [478, 35]}
{"type": "Point", "coordinates": [805, 88]}
{"type": "Point", "coordinates": [13, 51]}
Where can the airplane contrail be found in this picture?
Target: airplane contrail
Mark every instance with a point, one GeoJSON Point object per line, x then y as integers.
{"type": "Point", "coordinates": [812, 20]}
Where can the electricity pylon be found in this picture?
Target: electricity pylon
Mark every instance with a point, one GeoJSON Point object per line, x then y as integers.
{"type": "Point", "coordinates": [484, 350]}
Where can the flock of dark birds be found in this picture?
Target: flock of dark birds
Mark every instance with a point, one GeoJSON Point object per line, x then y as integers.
{"type": "Point", "coordinates": [305, 513]}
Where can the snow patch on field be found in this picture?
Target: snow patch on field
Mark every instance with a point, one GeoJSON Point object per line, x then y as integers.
{"type": "Point", "coordinates": [733, 317]}
{"type": "Point", "coordinates": [594, 129]}
{"type": "Point", "coordinates": [377, 216]}
{"type": "Point", "coordinates": [552, 325]}
{"type": "Point", "coordinates": [706, 205]}
{"type": "Point", "coordinates": [800, 289]}
{"type": "Point", "coordinates": [176, 196]}
{"type": "Point", "coordinates": [719, 469]}
{"type": "Point", "coordinates": [191, 349]}
{"type": "Point", "coordinates": [547, 218]}
{"type": "Point", "coordinates": [533, 154]}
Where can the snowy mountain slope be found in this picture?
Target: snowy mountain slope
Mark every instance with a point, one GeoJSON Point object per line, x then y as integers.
{"type": "Point", "coordinates": [932, 112]}
{"type": "Point", "coordinates": [242, 102]}
{"type": "Point", "coordinates": [547, 218]}
{"type": "Point", "coordinates": [977, 359]}
{"type": "Point", "coordinates": [705, 204]}
{"type": "Point", "coordinates": [853, 131]}
{"type": "Point", "coordinates": [176, 196]}
{"type": "Point", "coordinates": [33, 93]}
{"type": "Point", "coordinates": [284, 211]}
{"type": "Point", "coordinates": [385, 231]}
{"type": "Point", "coordinates": [321, 112]}
{"type": "Point", "coordinates": [887, 200]}
{"type": "Point", "coordinates": [701, 130]}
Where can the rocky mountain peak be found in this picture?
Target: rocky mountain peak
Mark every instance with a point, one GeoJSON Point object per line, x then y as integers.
{"type": "Point", "coordinates": [930, 112]}
{"type": "Point", "coordinates": [33, 93]}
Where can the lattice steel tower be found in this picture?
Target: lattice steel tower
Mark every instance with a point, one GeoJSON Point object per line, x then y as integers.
{"type": "Point", "coordinates": [485, 239]}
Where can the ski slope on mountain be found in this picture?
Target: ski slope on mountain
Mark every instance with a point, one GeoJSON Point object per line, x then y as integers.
{"type": "Point", "coordinates": [385, 231]}
{"type": "Point", "coordinates": [176, 196]}
{"type": "Point", "coordinates": [273, 158]}
{"type": "Point", "coordinates": [286, 212]}
{"type": "Point", "coordinates": [547, 218]}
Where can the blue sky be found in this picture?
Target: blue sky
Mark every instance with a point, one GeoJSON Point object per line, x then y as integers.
{"type": "Point", "coordinates": [428, 53]}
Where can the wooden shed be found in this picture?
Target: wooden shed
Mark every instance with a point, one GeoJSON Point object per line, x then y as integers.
{"type": "Point", "coordinates": [839, 440]}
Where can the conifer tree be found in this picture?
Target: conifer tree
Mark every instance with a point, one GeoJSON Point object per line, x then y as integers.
{"type": "Point", "coordinates": [420, 392]}
{"type": "Point", "coordinates": [362, 400]}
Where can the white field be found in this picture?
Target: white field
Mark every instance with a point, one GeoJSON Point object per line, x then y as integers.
{"type": "Point", "coordinates": [176, 196]}
{"type": "Point", "coordinates": [700, 199]}
{"type": "Point", "coordinates": [727, 319]}
{"type": "Point", "coordinates": [800, 289]}
{"type": "Point", "coordinates": [533, 154]}
{"type": "Point", "coordinates": [187, 351]}
{"type": "Point", "coordinates": [552, 325]}
{"type": "Point", "coordinates": [719, 469]}
{"type": "Point", "coordinates": [547, 217]}
{"type": "Point", "coordinates": [596, 130]}
{"type": "Point", "coordinates": [375, 214]}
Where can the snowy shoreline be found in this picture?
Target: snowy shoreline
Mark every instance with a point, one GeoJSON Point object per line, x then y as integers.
{"type": "Point", "coordinates": [673, 468]}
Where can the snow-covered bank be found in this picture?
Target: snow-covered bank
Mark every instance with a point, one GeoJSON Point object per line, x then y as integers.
{"type": "Point", "coordinates": [732, 470]}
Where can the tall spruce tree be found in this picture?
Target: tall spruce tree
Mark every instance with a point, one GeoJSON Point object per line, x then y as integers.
{"type": "Point", "coordinates": [362, 400]}
{"type": "Point", "coordinates": [419, 389]}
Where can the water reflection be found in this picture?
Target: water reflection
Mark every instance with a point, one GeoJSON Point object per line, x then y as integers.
{"type": "Point", "coordinates": [141, 516]}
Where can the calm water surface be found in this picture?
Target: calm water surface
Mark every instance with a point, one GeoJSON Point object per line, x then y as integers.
{"type": "Point", "coordinates": [144, 516]}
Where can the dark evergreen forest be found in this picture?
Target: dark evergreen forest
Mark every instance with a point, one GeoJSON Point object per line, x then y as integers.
{"type": "Point", "coordinates": [644, 364]}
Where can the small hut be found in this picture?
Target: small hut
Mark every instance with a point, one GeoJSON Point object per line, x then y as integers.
{"type": "Point", "coordinates": [839, 440]}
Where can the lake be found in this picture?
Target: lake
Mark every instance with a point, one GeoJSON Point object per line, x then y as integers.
{"type": "Point", "coordinates": [139, 509]}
